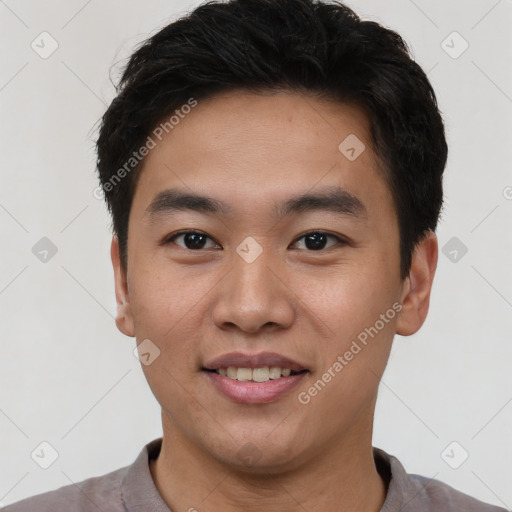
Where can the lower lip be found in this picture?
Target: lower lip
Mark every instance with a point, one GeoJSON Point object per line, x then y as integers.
{"type": "Point", "coordinates": [251, 392]}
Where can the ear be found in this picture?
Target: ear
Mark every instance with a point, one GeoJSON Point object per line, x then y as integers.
{"type": "Point", "coordinates": [417, 286]}
{"type": "Point", "coordinates": [124, 318]}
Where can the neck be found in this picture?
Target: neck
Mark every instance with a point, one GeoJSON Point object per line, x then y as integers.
{"type": "Point", "coordinates": [343, 478]}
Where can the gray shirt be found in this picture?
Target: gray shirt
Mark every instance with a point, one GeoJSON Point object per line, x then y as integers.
{"type": "Point", "coordinates": [131, 489]}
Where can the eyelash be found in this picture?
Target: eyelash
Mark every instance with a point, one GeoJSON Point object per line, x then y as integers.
{"type": "Point", "coordinates": [341, 241]}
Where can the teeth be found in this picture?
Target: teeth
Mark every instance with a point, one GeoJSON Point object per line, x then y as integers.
{"type": "Point", "coordinates": [260, 374]}
{"type": "Point", "coordinates": [275, 372]}
{"type": "Point", "coordinates": [257, 374]}
{"type": "Point", "coordinates": [244, 374]}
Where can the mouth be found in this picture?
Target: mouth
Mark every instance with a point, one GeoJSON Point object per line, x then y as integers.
{"type": "Point", "coordinates": [261, 374]}
{"type": "Point", "coordinates": [254, 378]}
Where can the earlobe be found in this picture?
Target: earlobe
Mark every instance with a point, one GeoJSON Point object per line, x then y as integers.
{"type": "Point", "coordinates": [417, 287]}
{"type": "Point", "coordinates": [124, 318]}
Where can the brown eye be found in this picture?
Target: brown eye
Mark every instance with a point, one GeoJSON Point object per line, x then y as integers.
{"type": "Point", "coordinates": [196, 240]}
{"type": "Point", "coordinates": [317, 240]}
{"type": "Point", "coordinates": [192, 240]}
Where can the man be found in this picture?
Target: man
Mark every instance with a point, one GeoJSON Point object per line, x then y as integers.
{"type": "Point", "coordinates": [274, 174]}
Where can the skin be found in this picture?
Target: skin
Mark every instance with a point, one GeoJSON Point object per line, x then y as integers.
{"type": "Point", "coordinates": [252, 151]}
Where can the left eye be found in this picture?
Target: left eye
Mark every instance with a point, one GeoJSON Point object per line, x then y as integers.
{"type": "Point", "coordinates": [316, 240]}
{"type": "Point", "coordinates": [195, 240]}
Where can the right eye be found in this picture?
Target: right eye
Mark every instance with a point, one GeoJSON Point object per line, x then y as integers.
{"type": "Point", "coordinates": [192, 240]}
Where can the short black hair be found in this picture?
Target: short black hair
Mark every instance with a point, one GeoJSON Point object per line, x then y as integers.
{"type": "Point", "coordinates": [313, 47]}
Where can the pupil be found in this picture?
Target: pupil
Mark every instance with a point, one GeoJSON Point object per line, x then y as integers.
{"type": "Point", "coordinates": [316, 243]}
{"type": "Point", "coordinates": [196, 242]}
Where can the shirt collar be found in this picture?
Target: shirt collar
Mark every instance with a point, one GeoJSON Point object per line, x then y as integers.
{"type": "Point", "coordinates": [140, 494]}
{"type": "Point", "coordinates": [138, 491]}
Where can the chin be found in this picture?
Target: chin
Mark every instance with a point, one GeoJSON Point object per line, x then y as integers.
{"type": "Point", "coordinates": [257, 454]}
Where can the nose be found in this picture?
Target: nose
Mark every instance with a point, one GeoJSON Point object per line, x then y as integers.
{"type": "Point", "coordinates": [254, 296]}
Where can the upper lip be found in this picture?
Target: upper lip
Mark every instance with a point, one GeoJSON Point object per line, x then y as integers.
{"type": "Point", "coordinates": [241, 360]}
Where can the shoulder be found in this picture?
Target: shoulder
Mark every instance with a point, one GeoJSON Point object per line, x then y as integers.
{"type": "Point", "coordinates": [442, 497]}
{"type": "Point", "coordinates": [89, 495]}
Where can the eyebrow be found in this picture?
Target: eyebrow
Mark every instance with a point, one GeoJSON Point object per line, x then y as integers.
{"type": "Point", "coordinates": [333, 199]}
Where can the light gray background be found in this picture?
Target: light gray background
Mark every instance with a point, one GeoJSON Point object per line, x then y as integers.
{"type": "Point", "coordinates": [70, 378]}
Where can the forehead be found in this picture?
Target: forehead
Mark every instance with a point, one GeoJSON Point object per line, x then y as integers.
{"type": "Point", "coordinates": [280, 121]}
{"type": "Point", "coordinates": [239, 147]}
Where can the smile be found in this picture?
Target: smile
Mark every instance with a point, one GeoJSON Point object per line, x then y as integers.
{"type": "Point", "coordinates": [262, 374]}
{"type": "Point", "coordinates": [246, 389]}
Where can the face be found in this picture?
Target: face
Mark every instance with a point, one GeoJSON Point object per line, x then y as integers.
{"type": "Point", "coordinates": [262, 274]}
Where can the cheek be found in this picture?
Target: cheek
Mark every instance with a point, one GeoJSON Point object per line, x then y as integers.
{"type": "Point", "coordinates": [163, 313]}
{"type": "Point", "coordinates": [357, 307]}
{"type": "Point", "coordinates": [166, 311]}
{"type": "Point", "coordinates": [163, 297]}
{"type": "Point", "coordinates": [350, 298]}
